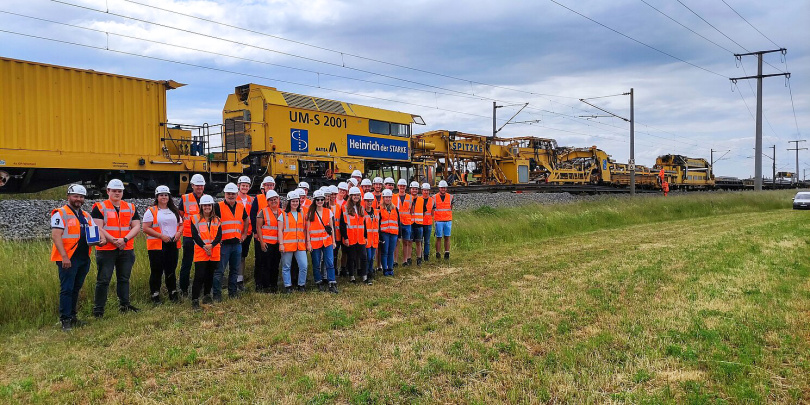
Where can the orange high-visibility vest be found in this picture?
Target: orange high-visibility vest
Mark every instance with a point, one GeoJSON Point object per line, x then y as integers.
{"type": "Point", "coordinates": [389, 221]}
{"type": "Point", "coordinates": [232, 222]}
{"type": "Point", "coordinates": [190, 209]}
{"type": "Point", "coordinates": [443, 210]}
{"type": "Point", "coordinates": [355, 224]}
{"type": "Point", "coordinates": [404, 207]}
{"type": "Point", "coordinates": [372, 230]}
{"type": "Point", "coordinates": [248, 207]}
{"type": "Point", "coordinates": [208, 232]}
{"type": "Point", "coordinates": [317, 233]}
{"type": "Point", "coordinates": [270, 227]}
{"type": "Point", "coordinates": [337, 212]}
{"type": "Point", "coordinates": [293, 232]}
{"type": "Point", "coordinates": [118, 223]}
{"type": "Point", "coordinates": [153, 243]}
{"type": "Point", "coordinates": [305, 203]}
{"type": "Point", "coordinates": [420, 215]}
{"type": "Point", "coordinates": [71, 233]}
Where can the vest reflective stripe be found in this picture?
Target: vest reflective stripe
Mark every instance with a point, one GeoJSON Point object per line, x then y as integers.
{"type": "Point", "coordinates": [389, 221]}
{"type": "Point", "coordinates": [372, 230]}
{"type": "Point", "coordinates": [232, 222]}
{"type": "Point", "coordinates": [118, 224]}
{"type": "Point", "coordinates": [71, 233]}
{"type": "Point", "coordinates": [293, 232]}
{"type": "Point", "coordinates": [270, 227]}
{"type": "Point", "coordinates": [153, 243]}
{"type": "Point", "coordinates": [317, 233]}
{"type": "Point", "coordinates": [443, 210]}
{"type": "Point", "coordinates": [355, 225]}
{"type": "Point", "coordinates": [207, 232]}
{"type": "Point", "coordinates": [420, 217]}
{"type": "Point", "coordinates": [190, 209]}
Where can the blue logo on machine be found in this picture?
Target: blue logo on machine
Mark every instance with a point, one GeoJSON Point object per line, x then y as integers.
{"type": "Point", "coordinates": [604, 164]}
{"type": "Point", "coordinates": [299, 140]}
{"type": "Point", "coordinates": [371, 147]}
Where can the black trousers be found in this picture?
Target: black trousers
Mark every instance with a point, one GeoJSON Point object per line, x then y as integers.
{"type": "Point", "coordinates": [163, 263]}
{"type": "Point", "coordinates": [267, 274]}
{"type": "Point", "coordinates": [357, 262]}
{"type": "Point", "coordinates": [203, 278]}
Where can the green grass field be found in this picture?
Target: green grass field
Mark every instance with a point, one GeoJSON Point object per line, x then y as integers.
{"type": "Point", "coordinates": [698, 298]}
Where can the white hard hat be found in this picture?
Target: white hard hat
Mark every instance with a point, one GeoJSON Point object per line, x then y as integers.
{"type": "Point", "coordinates": [269, 179]}
{"type": "Point", "coordinates": [162, 190]}
{"type": "Point", "coordinates": [357, 173]}
{"type": "Point", "coordinates": [442, 183]}
{"type": "Point", "coordinates": [197, 180]}
{"type": "Point", "coordinates": [318, 194]}
{"type": "Point", "coordinates": [230, 188]}
{"type": "Point", "coordinates": [272, 194]}
{"type": "Point", "coordinates": [354, 191]}
{"type": "Point", "coordinates": [414, 184]}
{"type": "Point", "coordinates": [115, 184]}
{"type": "Point", "coordinates": [353, 181]}
{"type": "Point", "coordinates": [402, 182]}
{"type": "Point", "coordinates": [425, 186]}
{"type": "Point", "coordinates": [333, 190]}
{"type": "Point", "coordinates": [387, 193]}
{"type": "Point", "coordinates": [389, 180]}
{"type": "Point", "coordinates": [368, 196]}
{"type": "Point", "coordinates": [326, 190]}
{"type": "Point", "coordinates": [303, 184]}
{"type": "Point", "coordinates": [365, 182]}
{"type": "Point", "coordinates": [301, 192]}
{"type": "Point", "coordinates": [207, 200]}
{"type": "Point", "coordinates": [293, 195]}
{"type": "Point", "coordinates": [343, 185]}
{"type": "Point", "coordinates": [77, 189]}
{"type": "Point", "coordinates": [244, 179]}
{"type": "Point", "coordinates": [378, 180]}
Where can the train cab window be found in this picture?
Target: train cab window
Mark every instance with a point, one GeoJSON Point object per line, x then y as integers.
{"type": "Point", "coordinates": [400, 130]}
{"type": "Point", "coordinates": [379, 127]}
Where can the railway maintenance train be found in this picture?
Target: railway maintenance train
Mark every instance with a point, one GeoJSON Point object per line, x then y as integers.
{"type": "Point", "coordinates": [60, 125]}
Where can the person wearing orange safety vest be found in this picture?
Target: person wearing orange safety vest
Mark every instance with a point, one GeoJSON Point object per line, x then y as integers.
{"type": "Point", "coordinates": [189, 208]}
{"type": "Point", "coordinates": [71, 252]}
{"type": "Point", "coordinates": [320, 226]}
{"type": "Point", "coordinates": [292, 242]}
{"type": "Point", "coordinates": [235, 223]}
{"type": "Point", "coordinates": [353, 235]}
{"type": "Point", "coordinates": [403, 200]}
{"type": "Point", "coordinates": [120, 223]}
{"type": "Point", "coordinates": [244, 184]}
{"type": "Point", "coordinates": [443, 216]}
{"type": "Point", "coordinates": [372, 235]}
{"type": "Point", "coordinates": [665, 187]}
{"type": "Point", "coordinates": [305, 201]}
{"type": "Point", "coordinates": [259, 204]}
{"type": "Point", "coordinates": [267, 222]}
{"type": "Point", "coordinates": [340, 206]}
{"type": "Point", "coordinates": [206, 231]}
{"type": "Point", "coordinates": [163, 227]}
{"type": "Point", "coordinates": [423, 223]}
{"type": "Point", "coordinates": [389, 231]}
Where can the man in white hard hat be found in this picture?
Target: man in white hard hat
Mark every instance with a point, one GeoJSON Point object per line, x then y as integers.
{"type": "Point", "coordinates": [305, 202]}
{"type": "Point", "coordinates": [71, 252]}
{"type": "Point", "coordinates": [247, 201]}
{"type": "Point", "coordinates": [443, 216]}
{"type": "Point", "coordinates": [423, 217]}
{"type": "Point", "coordinates": [120, 223]}
{"type": "Point", "coordinates": [189, 207]}
{"type": "Point", "coordinates": [234, 231]}
{"type": "Point", "coordinates": [357, 175]}
{"type": "Point", "coordinates": [404, 201]}
{"type": "Point", "coordinates": [259, 204]}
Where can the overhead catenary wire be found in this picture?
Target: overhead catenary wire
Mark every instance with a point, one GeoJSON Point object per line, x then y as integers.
{"type": "Point", "coordinates": [752, 25]}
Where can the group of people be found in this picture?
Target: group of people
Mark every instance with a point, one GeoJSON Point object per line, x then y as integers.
{"type": "Point", "coordinates": [355, 229]}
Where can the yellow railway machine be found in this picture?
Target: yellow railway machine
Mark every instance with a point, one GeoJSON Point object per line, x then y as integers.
{"type": "Point", "coordinates": [581, 166]}
{"type": "Point", "coordinates": [684, 172]}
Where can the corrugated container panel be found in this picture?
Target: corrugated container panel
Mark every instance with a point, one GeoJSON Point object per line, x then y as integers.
{"type": "Point", "coordinates": [45, 107]}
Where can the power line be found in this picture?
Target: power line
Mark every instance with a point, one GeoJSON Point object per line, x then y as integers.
{"type": "Point", "coordinates": [793, 106]}
{"type": "Point", "coordinates": [691, 30]}
{"type": "Point", "coordinates": [752, 25]}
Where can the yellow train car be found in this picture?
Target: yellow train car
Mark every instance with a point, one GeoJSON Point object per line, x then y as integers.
{"type": "Point", "coordinates": [60, 124]}
{"type": "Point", "coordinates": [294, 137]}
{"type": "Point", "coordinates": [581, 166]}
{"type": "Point", "coordinates": [684, 172]}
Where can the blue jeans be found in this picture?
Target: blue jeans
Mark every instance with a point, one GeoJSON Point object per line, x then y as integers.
{"type": "Point", "coordinates": [286, 262]}
{"type": "Point", "coordinates": [230, 253]}
{"type": "Point", "coordinates": [426, 236]}
{"type": "Point", "coordinates": [388, 251]}
{"type": "Point", "coordinates": [321, 257]}
{"type": "Point", "coordinates": [370, 252]}
{"type": "Point", "coordinates": [70, 283]}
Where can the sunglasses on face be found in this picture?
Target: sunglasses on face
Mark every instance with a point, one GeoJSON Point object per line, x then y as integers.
{"type": "Point", "coordinates": [319, 200]}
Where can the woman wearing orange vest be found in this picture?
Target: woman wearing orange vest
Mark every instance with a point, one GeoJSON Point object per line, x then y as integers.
{"type": "Point", "coordinates": [206, 231]}
{"type": "Point", "coordinates": [163, 227]}
{"type": "Point", "coordinates": [120, 223]}
{"type": "Point", "coordinates": [443, 216]}
{"type": "Point", "coordinates": [340, 206]}
{"type": "Point", "coordinates": [259, 203]}
{"type": "Point", "coordinates": [189, 208]}
{"type": "Point", "coordinates": [372, 235]}
{"type": "Point", "coordinates": [353, 235]}
{"type": "Point", "coordinates": [247, 200]}
{"type": "Point", "coordinates": [423, 219]}
{"type": "Point", "coordinates": [404, 203]}
{"type": "Point", "coordinates": [320, 226]}
{"type": "Point", "coordinates": [389, 229]}
{"type": "Point", "coordinates": [71, 253]}
{"type": "Point", "coordinates": [292, 242]}
{"type": "Point", "coordinates": [267, 223]}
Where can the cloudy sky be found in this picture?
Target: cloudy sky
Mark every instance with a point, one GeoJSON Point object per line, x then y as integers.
{"type": "Point", "coordinates": [448, 60]}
